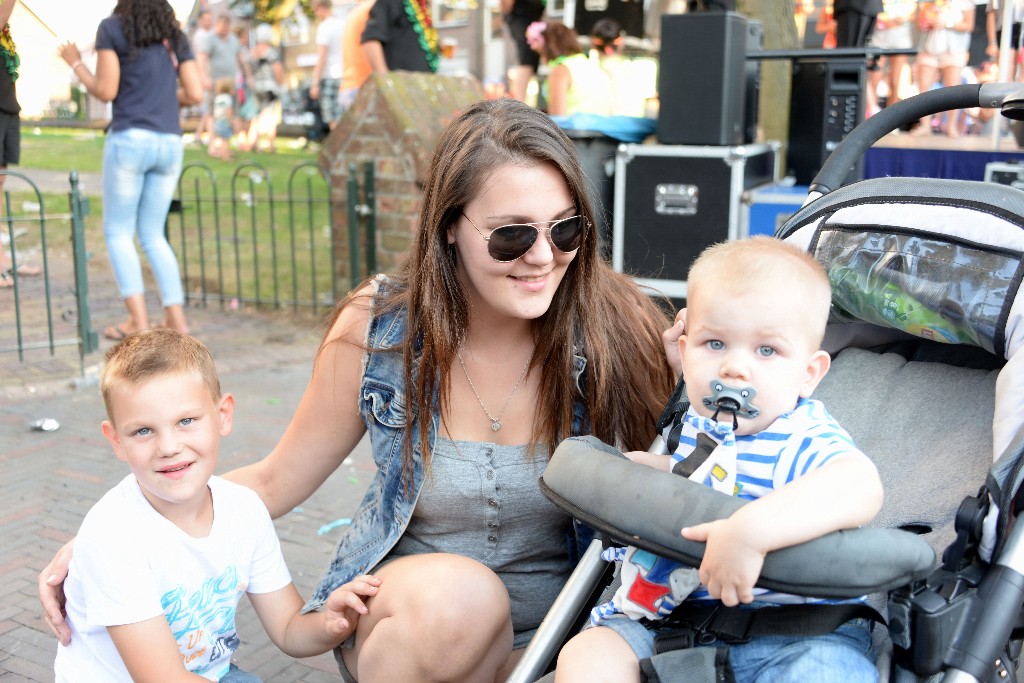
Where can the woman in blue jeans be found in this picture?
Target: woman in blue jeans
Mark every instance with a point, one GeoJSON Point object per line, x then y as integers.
{"type": "Point", "coordinates": [145, 66]}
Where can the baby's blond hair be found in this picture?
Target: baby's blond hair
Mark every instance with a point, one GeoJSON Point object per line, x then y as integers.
{"type": "Point", "coordinates": [769, 266]}
{"type": "Point", "coordinates": [144, 355]}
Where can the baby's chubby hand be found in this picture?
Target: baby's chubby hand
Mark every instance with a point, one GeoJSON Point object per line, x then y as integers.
{"type": "Point", "coordinates": [732, 560]}
{"type": "Point", "coordinates": [345, 605]}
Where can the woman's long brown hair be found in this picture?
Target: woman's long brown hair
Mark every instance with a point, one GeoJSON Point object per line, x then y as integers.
{"type": "Point", "coordinates": [602, 313]}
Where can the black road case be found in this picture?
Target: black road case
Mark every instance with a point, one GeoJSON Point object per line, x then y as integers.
{"type": "Point", "coordinates": [673, 201]}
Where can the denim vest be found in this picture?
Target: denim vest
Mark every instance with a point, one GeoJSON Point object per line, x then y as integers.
{"type": "Point", "coordinates": [386, 510]}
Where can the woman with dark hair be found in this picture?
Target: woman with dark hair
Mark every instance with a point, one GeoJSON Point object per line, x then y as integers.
{"type": "Point", "coordinates": [574, 85]}
{"type": "Point", "coordinates": [145, 66]}
{"type": "Point", "coordinates": [503, 333]}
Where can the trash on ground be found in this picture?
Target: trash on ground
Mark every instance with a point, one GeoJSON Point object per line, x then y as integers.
{"type": "Point", "coordinates": [344, 521]}
{"type": "Point", "coordinates": [46, 424]}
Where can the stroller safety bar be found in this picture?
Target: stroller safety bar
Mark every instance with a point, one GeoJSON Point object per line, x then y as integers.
{"type": "Point", "coordinates": [605, 490]}
{"type": "Point", "coordinates": [561, 617]}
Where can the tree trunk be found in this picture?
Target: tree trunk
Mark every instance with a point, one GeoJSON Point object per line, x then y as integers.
{"type": "Point", "coordinates": [776, 16]}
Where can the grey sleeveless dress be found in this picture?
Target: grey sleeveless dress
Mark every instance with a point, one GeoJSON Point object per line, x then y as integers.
{"type": "Point", "coordinates": [482, 501]}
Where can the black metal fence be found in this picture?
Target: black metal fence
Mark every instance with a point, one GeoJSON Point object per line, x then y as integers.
{"type": "Point", "coordinates": [44, 305]}
{"type": "Point", "coordinates": [242, 243]}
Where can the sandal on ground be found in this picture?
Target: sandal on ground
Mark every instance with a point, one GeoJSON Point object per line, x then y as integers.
{"type": "Point", "coordinates": [24, 270]}
{"type": "Point", "coordinates": [115, 333]}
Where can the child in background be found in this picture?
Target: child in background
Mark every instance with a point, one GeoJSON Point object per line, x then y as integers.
{"type": "Point", "coordinates": [223, 114]}
{"type": "Point", "coordinates": [163, 558]}
{"type": "Point", "coordinates": [751, 353]}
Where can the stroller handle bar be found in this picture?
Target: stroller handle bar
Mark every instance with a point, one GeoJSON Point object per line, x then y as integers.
{"type": "Point", "coordinates": [1008, 96]}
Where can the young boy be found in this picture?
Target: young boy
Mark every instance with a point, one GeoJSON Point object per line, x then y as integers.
{"type": "Point", "coordinates": [751, 358]}
{"type": "Point", "coordinates": [223, 113]}
{"type": "Point", "coordinates": [162, 559]}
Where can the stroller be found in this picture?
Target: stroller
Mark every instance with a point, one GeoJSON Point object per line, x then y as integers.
{"type": "Point", "coordinates": [926, 331]}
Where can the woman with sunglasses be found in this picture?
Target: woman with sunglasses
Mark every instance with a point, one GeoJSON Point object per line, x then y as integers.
{"type": "Point", "coordinates": [502, 334]}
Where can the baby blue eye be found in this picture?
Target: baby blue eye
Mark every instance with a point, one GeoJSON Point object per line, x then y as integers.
{"type": "Point", "coordinates": [765, 351]}
{"type": "Point", "coordinates": [716, 345]}
{"type": "Point", "coordinates": [186, 421]}
{"type": "Point", "coordinates": [143, 432]}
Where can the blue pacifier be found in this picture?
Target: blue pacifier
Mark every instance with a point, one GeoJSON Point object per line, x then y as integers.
{"type": "Point", "coordinates": [736, 400]}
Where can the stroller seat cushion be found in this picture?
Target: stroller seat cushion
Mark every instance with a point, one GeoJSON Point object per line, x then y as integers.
{"type": "Point", "coordinates": [927, 426]}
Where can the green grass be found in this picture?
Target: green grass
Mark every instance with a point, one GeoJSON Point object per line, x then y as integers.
{"type": "Point", "coordinates": [81, 149]}
{"type": "Point", "coordinates": [254, 231]}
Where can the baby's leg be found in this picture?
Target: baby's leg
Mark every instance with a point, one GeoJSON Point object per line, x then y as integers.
{"type": "Point", "coordinates": [605, 654]}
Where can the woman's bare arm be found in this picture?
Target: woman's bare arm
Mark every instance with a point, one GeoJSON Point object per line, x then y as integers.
{"type": "Point", "coordinates": [326, 426]}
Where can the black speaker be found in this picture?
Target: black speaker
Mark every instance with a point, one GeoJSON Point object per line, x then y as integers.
{"type": "Point", "coordinates": [752, 92]}
{"type": "Point", "coordinates": [826, 103]}
{"type": "Point", "coordinates": [701, 79]}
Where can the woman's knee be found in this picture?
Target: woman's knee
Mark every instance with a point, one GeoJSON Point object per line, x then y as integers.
{"type": "Point", "coordinates": [465, 596]}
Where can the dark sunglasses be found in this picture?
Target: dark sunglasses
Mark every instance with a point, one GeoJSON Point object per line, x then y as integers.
{"type": "Point", "coordinates": [509, 242]}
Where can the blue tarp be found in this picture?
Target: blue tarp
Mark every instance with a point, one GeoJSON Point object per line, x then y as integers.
{"type": "Point", "coordinates": [621, 128]}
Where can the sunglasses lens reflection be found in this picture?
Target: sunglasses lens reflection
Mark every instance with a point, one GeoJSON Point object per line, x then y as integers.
{"type": "Point", "coordinates": [510, 242]}
{"type": "Point", "coordinates": [567, 234]}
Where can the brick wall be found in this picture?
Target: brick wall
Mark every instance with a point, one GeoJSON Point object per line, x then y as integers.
{"type": "Point", "coordinates": [394, 123]}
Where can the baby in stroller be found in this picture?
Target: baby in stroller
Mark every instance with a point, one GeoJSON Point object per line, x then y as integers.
{"type": "Point", "coordinates": [752, 357]}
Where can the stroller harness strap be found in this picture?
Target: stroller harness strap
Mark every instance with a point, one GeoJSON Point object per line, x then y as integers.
{"type": "Point", "coordinates": [693, 625]}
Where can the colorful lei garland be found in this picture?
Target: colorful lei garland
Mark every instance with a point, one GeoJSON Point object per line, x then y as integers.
{"type": "Point", "coordinates": [419, 15]}
{"type": "Point", "coordinates": [9, 53]}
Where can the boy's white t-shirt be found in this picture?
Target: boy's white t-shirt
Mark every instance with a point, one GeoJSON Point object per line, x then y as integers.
{"type": "Point", "coordinates": [131, 564]}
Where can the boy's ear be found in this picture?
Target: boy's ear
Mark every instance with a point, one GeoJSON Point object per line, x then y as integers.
{"type": "Point", "coordinates": [112, 436]}
{"type": "Point", "coordinates": [226, 412]}
{"type": "Point", "coordinates": [817, 367]}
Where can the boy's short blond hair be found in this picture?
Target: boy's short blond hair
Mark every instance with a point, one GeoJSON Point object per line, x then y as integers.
{"type": "Point", "coordinates": [224, 86]}
{"type": "Point", "coordinates": [770, 266]}
{"type": "Point", "coordinates": [144, 355]}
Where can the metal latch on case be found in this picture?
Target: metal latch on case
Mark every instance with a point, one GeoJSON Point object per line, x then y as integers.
{"type": "Point", "coordinates": [676, 200]}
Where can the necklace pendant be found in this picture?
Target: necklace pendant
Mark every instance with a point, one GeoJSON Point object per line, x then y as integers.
{"type": "Point", "coordinates": [495, 425]}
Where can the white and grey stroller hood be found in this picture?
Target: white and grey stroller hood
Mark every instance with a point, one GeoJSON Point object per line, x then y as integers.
{"type": "Point", "coordinates": [936, 260]}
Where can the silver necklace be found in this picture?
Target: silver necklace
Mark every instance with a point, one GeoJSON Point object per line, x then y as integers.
{"type": "Point", "coordinates": [495, 421]}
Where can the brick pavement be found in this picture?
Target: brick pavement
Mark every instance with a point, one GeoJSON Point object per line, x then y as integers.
{"type": "Point", "coordinates": [52, 478]}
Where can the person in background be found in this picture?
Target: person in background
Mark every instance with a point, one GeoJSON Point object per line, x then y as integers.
{"type": "Point", "coordinates": [225, 58]}
{"type": "Point", "coordinates": [223, 115]}
{"type": "Point", "coordinates": [200, 48]}
{"type": "Point", "coordinates": [994, 33]}
{"type": "Point", "coordinates": [400, 36]}
{"type": "Point", "coordinates": [10, 132]}
{"type": "Point", "coordinates": [855, 21]}
{"type": "Point", "coordinates": [574, 85]}
{"type": "Point", "coordinates": [245, 103]}
{"type": "Point", "coordinates": [144, 65]}
{"type": "Point", "coordinates": [502, 333]}
{"type": "Point", "coordinates": [355, 66]}
{"type": "Point", "coordinates": [893, 30]}
{"type": "Point", "coordinates": [267, 86]}
{"type": "Point", "coordinates": [633, 81]}
{"type": "Point", "coordinates": [802, 10]}
{"type": "Point", "coordinates": [328, 67]}
{"type": "Point", "coordinates": [946, 28]}
{"type": "Point", "coordinates": [826, 25]}
{"type": "Point", "coordinates": [517, 16]}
